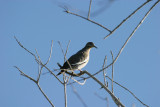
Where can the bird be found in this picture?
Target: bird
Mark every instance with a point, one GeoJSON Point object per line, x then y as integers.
{"type": "Point", "coordinates": [78, 60]}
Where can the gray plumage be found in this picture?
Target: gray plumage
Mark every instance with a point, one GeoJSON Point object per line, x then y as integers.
{"type": "Point", "coordinates": [78, 60]}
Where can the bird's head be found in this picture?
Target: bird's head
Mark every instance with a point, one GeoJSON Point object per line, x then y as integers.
{"type": "Point", "coordinates": [90, 45]}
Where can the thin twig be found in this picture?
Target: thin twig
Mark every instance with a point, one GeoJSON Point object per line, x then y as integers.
{"type": "Point", "coordinates": [25, 75]}
{"type": "Point", "coordinates": [70, 73]}
{"type": "Point", "coordinates": [89, 8]}
{"type": "Point", "coordinates": [112, 70]}
{"type": "Point", "coordinates": [37, 83]}
{"type": "Point", "coordinates": [61, 49]}
{"type": "Point", "coordinates": [24, 47]}
{"type": "Point", "coordinates": [40, 70]}
{"type": "Point", "coordinates": [53, 74]}
{"type": "Point", "coordinates": [106, 99]}
{"type": "Point", "coordinates": [128, 91]}
{"type": "Point", "coordinates": [78, 96]}
{"type": "Point", "coordinates": [88, 20]}
{"type": "Point", "coordinates": [104, 73]}
{"type": "Point", "coordinates": [77, 81]}
{"type": "Point", "coordinates": [67, 48]}
{"type": "Point", "coordinates": [116, 100]}
{"type": "Point", "coordinates": [39, 64]}
{"type": "Point", "coordinates": [38, 56]}
{"type": "Point", "coordinates": [65, 59]}
{"type": "Point", "coordinates": [45, 95]}
{"type": "Point", "coordinates": [37, 60]}
{"type": "Point", "coordinates": [50, 54]}
{"type": "Point", "coordinates": [65, 90]}
{"type": "Point", "coordinates": [94, 73]}
{"type": "Point", "coordinates": [65, 80]}
{"type": "Point", "coordinates": [127, 18]}
{"type": "Point", "coordinates": [134, 31]}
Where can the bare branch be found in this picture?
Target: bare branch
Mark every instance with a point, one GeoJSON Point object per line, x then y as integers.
{"type": "Point", "coordinates": [112, 70]}
{"type": "Point", "coordinates": [89, 20]}
{"type": "Point", "coordinates": [40, 71]}
{"type": "Point", "coordinates": [106, 99]}
{"type": "Point", "coordinates": [134, 31]}
{"type": "Point", "coordinates": [53, 74]}
{"type": "Point", "coordinates": [61, 49]}
{"type": "Point", "coordinates": [65, 90]}
{"type": "Point", "coordinates": [39, 68]}
{"type": "Point", "coordinates": [78, 81]}
{"type": "Point", "coordinates": [128, 91]}
{"type": "Point", "coordinates": [116, 100]}
{"type": "Point", "coordinates": [89, 8]}
{"type": "Point", "coordinates": [50, 54]}
{"type": "Point", "coordinates": [104, 73]}
{"type": "Point", "coordinates": [78, 96]}
{"type": "Point", "coordinates": [38, 60]}
{"type": "Point", "coordinates": [65, 80]}
{"type": "Point", "coordinates": [24, 47]}
{"type": "Point", "coordinates": [67, 48]}
{"type": "Point", "coordinates": [38, 56]}
{"type": "Point", "coordinates": [25, 75]}
{"type": "Point", "coordinates": [45, 95]}
{"type": "Point", "coordinates": [65, 56]}
{"type": "Point", "coordinates": [127, 18]}
{"type": "Point", "coordinates": [27, 50]}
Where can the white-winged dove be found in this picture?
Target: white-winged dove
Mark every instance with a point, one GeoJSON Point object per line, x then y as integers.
{"type": "Point", "coordinates": [78, 60]}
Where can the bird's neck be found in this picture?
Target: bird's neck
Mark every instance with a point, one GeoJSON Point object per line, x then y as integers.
{"type": "Point", "coordinates": [86, 49]}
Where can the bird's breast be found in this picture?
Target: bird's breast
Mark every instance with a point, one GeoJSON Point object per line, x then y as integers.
{"type": "Point", "coordinates": [84, 63]}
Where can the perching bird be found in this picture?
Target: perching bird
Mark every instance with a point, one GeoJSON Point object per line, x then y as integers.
{"type": "Point", "coordinates": [78, 60]}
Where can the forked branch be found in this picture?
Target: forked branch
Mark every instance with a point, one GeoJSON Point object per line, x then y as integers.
{"type": "Point", "coordinates": [128, 91]}
{"type": "Point", "coordinates": [37, 83]}
{"type": "Point", "coordinates": [67, 11]}
{"type": "Point", "coordinates": [115, 99]}
{"type": "Point", "coordinates": [127, 18]}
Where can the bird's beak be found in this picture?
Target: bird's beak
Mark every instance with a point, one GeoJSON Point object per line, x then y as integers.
{"type": "Point", "coordinates": [95, 46]}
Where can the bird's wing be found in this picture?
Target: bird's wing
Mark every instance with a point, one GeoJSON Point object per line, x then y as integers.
{"type": "Point", "coordinates": [76, 59]}
{"type": "Point", "coordinates": [82, 61]}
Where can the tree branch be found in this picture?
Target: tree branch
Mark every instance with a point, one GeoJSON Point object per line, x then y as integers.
{"type": "Point", "coordinates": [104, 73]}
{"type": "Point", "coordinates": [37, 83]}
{"type": "Point", "coordinates": [45, 95]}
{"type": "Point", "coordinates": [127, 18]}
{"type": "Point", "coordinates": [112, 70]}
{"type": "Point", "coordinates": [25, 75]}
{"type": "Point", "coordinates": [78, 96]}
{"type": "Point", "coordinates": [65, 90]}
{"type": "Point", "coordinates": [88, 20]}
{"type": "Point", "coordinates": [116, 100]}
{"type": "Point", "coordinates": [38, 60]}
{"type": "Point", "coordinates": [89, 8]}
{"type": "Point", "coordinates": [128, 91]}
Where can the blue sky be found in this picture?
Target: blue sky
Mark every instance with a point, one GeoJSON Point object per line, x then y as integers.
{"type": "Point", "coordinates": [36, 22]}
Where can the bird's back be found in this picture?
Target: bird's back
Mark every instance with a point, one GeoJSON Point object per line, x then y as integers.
{"type": "Point", "coordinates": [77, 59]}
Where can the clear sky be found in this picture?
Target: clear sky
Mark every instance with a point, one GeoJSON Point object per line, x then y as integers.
{"type": "Point", "coordinates": [36, 22]}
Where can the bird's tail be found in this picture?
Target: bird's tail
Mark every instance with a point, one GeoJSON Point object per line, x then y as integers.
{"type": "Point", "coordinates": [60, 72]}
{"type": "Point", "coordinates": [60, 68]}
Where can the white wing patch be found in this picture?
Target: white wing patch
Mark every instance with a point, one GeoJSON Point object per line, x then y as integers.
{"type": "Point", "coordinates": [83, 62]}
